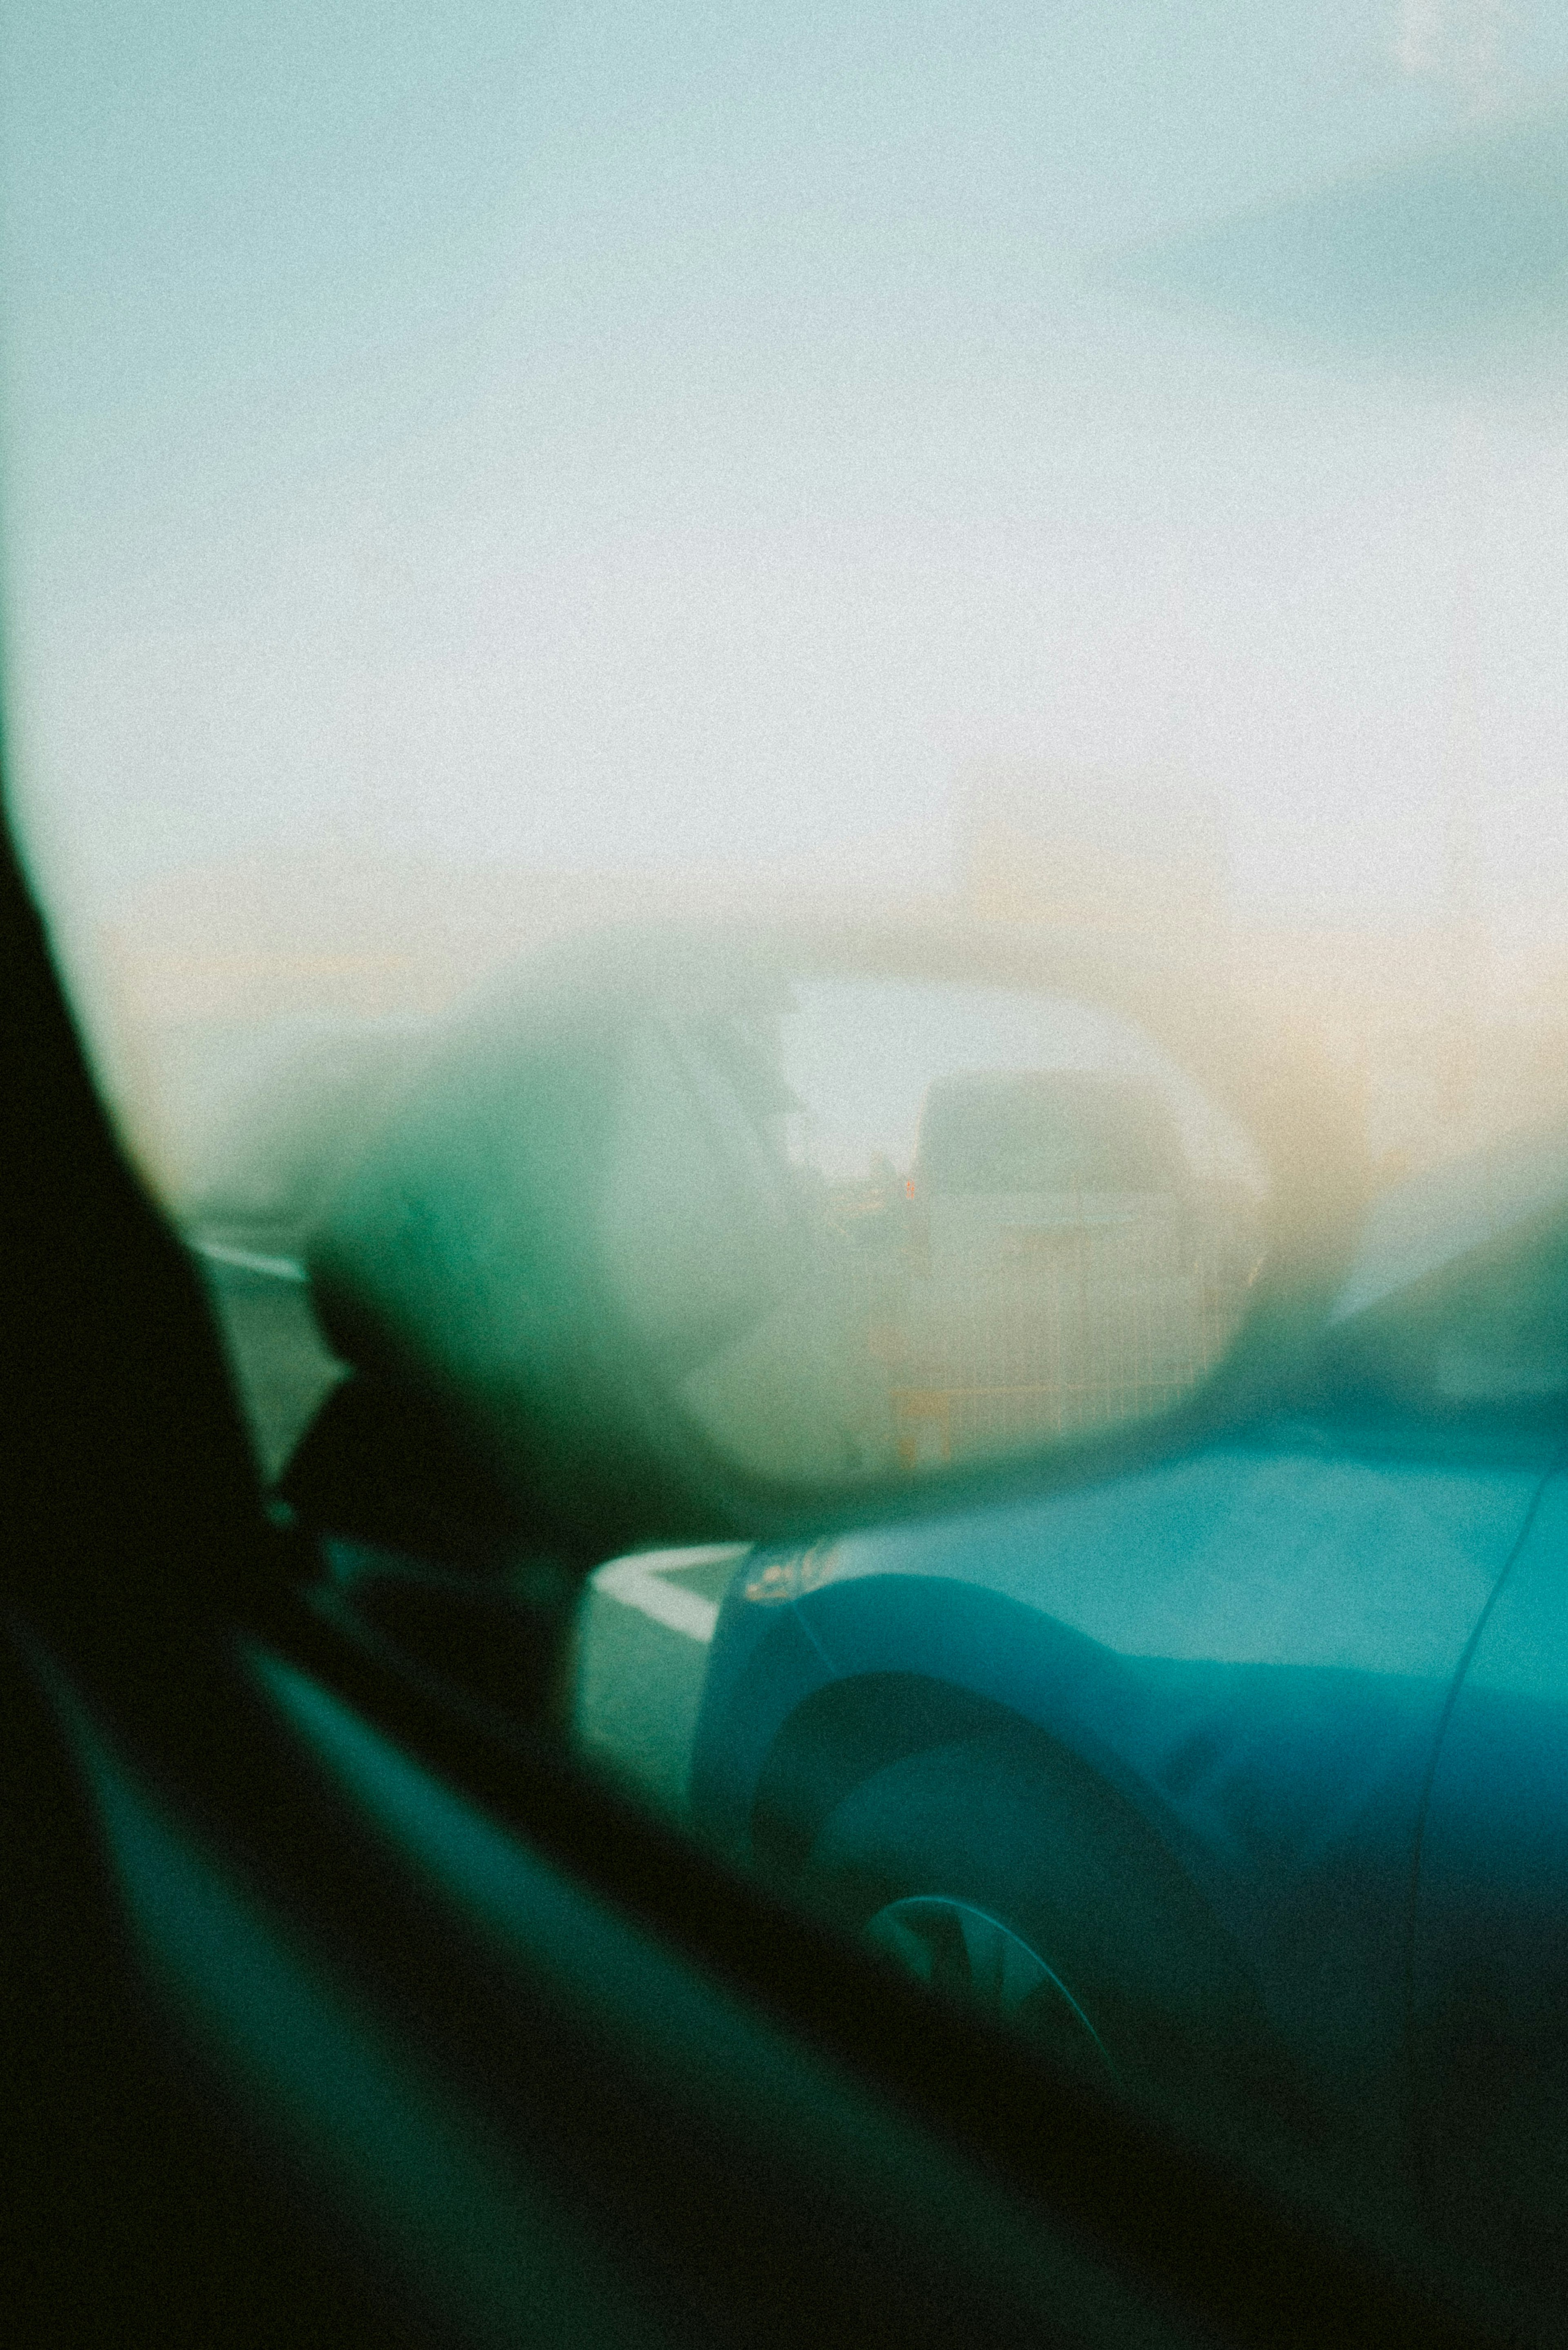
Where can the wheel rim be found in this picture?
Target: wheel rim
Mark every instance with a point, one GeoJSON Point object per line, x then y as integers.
{"type": "Point", "coordinates": [964, 1950]}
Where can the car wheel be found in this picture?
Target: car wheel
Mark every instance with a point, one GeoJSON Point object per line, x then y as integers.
{"type": "Point", "coordinates": [996, 1869]}
{"type": "Point", "coordinates": [964, 1950]}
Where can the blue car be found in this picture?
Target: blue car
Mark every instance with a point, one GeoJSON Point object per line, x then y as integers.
{"type": "Point", "coordinates": [1241, 1772]}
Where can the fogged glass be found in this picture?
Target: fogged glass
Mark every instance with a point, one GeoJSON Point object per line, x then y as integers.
{"type": "Point", "coordinates": [478, 476]}
{"type": "Point", "coordinates": [985, 1221]}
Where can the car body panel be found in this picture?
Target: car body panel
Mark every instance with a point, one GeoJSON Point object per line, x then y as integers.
{"type": "Point", "coordinates": [762, 1666]}
{"type": "Point", "coordinates": [1244, 1553]}
{"type": "Point", "coordinates": [1490, 1947]}
{"type": "Point", "coordinates": [1252, 1645]}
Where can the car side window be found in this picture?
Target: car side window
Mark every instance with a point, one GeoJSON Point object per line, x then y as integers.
{"type": "Point", "coordinates": [800, 781]}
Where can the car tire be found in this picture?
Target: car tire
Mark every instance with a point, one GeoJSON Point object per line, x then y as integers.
{"type": "Point", "coordinates": [998, 1868]}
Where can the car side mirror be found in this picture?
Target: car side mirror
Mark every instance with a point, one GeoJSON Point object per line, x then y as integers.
{"type": "Point", "coordinates": [694, 1231]}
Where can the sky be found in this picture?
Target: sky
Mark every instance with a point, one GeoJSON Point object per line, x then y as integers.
{"type": "Point", "coordinates": [621, 437]}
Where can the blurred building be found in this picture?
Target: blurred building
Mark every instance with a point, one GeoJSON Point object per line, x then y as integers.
{"type": "Point", "coordinates": [1092, 849]}
{"type": "Point", "coordinates": [1449, 1045]}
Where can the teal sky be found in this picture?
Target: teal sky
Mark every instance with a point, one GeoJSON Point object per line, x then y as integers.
{"type": "Point", "coordinates": [634, 435]}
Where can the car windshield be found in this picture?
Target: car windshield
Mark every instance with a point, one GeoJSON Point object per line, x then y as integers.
{"type": "Point", "coordinates": [983, 587]}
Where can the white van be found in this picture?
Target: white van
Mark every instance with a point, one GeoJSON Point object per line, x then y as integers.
{"type": "Point", "coordinates": [1056, 1248]}
{"type": "Point", "coordinates": [1013, 1170]}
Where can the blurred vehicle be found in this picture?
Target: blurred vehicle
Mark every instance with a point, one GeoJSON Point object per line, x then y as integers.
{"type": "Point", "coordinates": [1069, 1271]}
{"type": "Point", "coordinates": [1011, 1167]}
{"type": "Point", "coordinates": [1240, 1776]}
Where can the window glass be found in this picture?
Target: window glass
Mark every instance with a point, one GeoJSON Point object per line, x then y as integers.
{"type": "Point", "coordinates": [479, 480]}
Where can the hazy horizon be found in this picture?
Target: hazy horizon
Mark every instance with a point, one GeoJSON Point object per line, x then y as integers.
{"type": "Point", "coordinates": [619, 440]}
